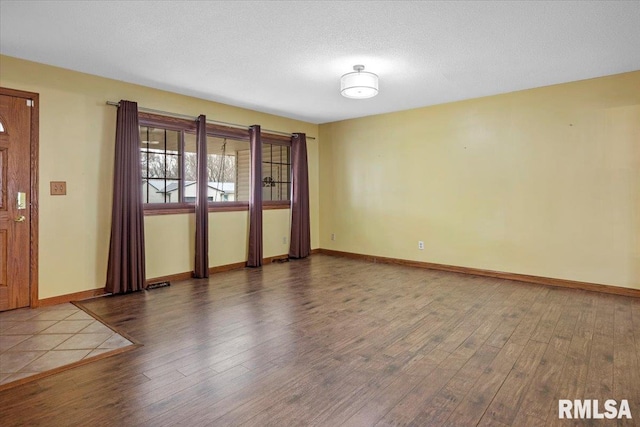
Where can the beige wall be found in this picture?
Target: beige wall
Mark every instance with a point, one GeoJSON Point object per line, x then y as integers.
{"type": "Point", "coordinates": [543, 182]}
{"type": "Point", "coordinates": [77, 131]}
{"type": "Point", "coordinates": [170, 239]}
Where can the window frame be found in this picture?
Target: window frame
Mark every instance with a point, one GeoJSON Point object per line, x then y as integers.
{"type": "Point", "coordinates": [214, 130]}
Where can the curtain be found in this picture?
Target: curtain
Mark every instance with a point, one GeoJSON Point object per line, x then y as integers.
{"type": "Point", "coordinates": [300, 246]}
{"type": "Point", "coordinates": [255, 199]}
{"type": "Point", "coordinates": [201, 267]}
{"type": "Point", "coordinates": [126, 268]}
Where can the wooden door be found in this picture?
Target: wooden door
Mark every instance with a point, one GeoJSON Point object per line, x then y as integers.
{"type": "Point", "coordinates": [15, 212]}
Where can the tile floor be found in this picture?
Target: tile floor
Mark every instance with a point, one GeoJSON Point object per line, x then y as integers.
{"type": "Point", "coordinates": [33, 341]}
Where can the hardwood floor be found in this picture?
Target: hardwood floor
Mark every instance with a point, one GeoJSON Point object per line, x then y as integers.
{"type": "Point", "coordinates": [330, 341]}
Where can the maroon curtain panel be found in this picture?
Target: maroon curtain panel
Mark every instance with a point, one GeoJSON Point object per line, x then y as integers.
{"type": "Point", "coordinates": [201, 267]}
{"type": "Point", "coordinates": [255, 199]}
{"type": "Point", "coordinates": [126, 268]}
{"type": "Point", "coordinates": [300, 246]}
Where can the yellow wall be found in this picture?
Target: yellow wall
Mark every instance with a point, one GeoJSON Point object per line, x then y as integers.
{"type": "Point", "coordinates": [169, 244]}
{"type": "Point", "coordinates": [77, 132]}
{"type": "Point", "coordinates": [170, 239]}
{"type": "Point", "coordinates": [275, 224]}
{"type": "Point", "coordinates": [543, 182]}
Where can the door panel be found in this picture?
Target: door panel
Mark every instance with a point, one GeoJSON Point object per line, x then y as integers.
{"type": "Point", "coordinates": [15, 142]}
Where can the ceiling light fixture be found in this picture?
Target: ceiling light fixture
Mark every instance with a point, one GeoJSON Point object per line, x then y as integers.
{"type": "Point", "coordinates": [359, 84]}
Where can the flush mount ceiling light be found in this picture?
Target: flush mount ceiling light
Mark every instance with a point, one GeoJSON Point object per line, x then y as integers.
{"type": "Point", "coordinates": [359, 84]}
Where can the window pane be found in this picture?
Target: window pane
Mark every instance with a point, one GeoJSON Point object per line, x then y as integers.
{"type": "Point", "coordinates": [171, 191]}
{"type": "Point", "coordinates": [190, 167]}
{"type": "Point", "coordinates": [145, 191]}
{"type": "Point", "coordinates": [173, 166]}
{"type": "Point", "coordinates": [276, 172]}
{"type": "Point", "coordinates": [155, 165]}
{"type": "Point", "coordinates": [152, 138]}
{"type": "Point", "coordinates": [243, 174]}
{"type": "Point", "coordinates": [161, 165]}
{"type": "Point", "coordinates": [153, 190]}
{"type": "Point", "coordinates": [190, 157]}
{"type": "Point", "coordinates": [172, 139]}
{"type": "Point", "coordinates": [143, 164]}
{"type": "Point", "coordinates": [227, 169]}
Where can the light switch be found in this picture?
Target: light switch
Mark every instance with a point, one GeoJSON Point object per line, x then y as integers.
{"type": "Point", "coordinates": [58, 188]}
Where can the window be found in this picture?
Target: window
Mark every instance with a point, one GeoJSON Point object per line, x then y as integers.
{"type": "Point", "coordinates": [276, 172]}
{"type": "Point", "coordinates": [227, 170]}
{"type": "Point", "coordinates": [169, 166]}
{"type": "Point", "coordinates": [162, 164]}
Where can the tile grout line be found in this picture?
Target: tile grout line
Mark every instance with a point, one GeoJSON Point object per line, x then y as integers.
{"type": "Point", "coordinates": [19, 318]}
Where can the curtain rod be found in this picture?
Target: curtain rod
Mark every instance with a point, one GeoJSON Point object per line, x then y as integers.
{"type": "Point", "coordinates": [217, 122]}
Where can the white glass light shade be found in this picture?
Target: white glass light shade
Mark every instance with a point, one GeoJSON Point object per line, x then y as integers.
{"type": "Point", "coordinates": [359, 84]}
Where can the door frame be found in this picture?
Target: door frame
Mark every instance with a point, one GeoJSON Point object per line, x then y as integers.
{"type": "Point", "coordinates": [33, 207]}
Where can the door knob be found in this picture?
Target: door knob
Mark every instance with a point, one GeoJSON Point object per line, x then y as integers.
{"type": "Point", "coordinates": [21, 218]}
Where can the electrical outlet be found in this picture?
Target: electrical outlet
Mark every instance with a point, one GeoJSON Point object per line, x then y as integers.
{"type": "Point", "coordinates": [333, 236]}
{"type": "Point", "coordinates": [284, 240]}
{"type": "Point", "coordinates": [58, 188]}
{"type": "Point", "coordinates": [421, 245]}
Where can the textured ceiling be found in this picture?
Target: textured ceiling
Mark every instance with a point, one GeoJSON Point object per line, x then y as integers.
{"type": "Point", "coordinates": [286, 58]}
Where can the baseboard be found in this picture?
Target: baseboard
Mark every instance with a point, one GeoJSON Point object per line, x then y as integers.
{"type": "Point", "coordinates": [171, 277]}
{"type": "Point", "coordinates": [271, 259]}
{"type": "Point", "coordinates": [548, 281]}
{"type": "Point", "coordinates": [217, 269]}
{"type": "Point", "coordinates": [77, 296]}
{"type": "Point", "coordinates": [227, 267]}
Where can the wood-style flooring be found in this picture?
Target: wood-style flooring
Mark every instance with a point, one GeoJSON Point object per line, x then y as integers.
{"type": "Point", "coordinates": [330, 341]}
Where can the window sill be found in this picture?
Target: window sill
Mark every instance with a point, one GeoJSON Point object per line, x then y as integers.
{"type": "Point", "coordinates": [153, 209]}
{"type": "Point", "coordinates": [228, 206]}
{"type": "Point", "coordinates": [285, 204]}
